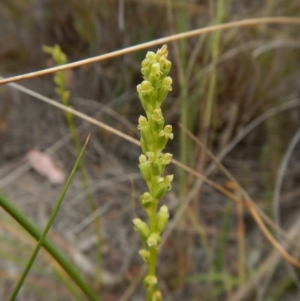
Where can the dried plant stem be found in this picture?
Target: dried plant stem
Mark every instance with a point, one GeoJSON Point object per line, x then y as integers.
{"type": "Point", "coordinates": [185, 35]}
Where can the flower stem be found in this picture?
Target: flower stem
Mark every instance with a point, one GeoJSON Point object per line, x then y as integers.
{"type": "Point", "coordinates": [154, 137]}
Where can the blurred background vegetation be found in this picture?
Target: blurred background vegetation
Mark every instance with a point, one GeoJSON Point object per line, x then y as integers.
{"type": "Point", "coordinates": [223, 81]}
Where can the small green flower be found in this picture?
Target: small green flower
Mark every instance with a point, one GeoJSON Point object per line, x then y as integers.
{"type": "Point", "coordinates": [145, 254]}
{"type": "Point", "coordinates": [147, 95]}
{"type": "Point", "coordinates": [157, 168]}
{"type": "Point", "coordinates": [157, 116]}
{"type": "Point", "coordinates": [162, 52]}
{"type": "Point", "coordinates": [145, 88]}
{"type": "Point", "coordinates": [143, 159]}
{"type": "Point", "coordinates": [141, 227]}
{"type": "Point", "coordinates": [153, 240]}
{"type": "Point", "coordinates": [162, 219]}
{"type": "Point", "coordinates": [167, 132]}
{"type": "Point", "coordinates": [166, 158]}
{"type": "Point", "coordinates": [145, 168]}
{"type": "Point", "coordinates": [157, 296]}
{"type": "Point", "coordinates": [155, 72]}
{"type": "Point", "coordinates": [163, 137]}
{"type": "Point", "coordinates": [166, 86]}
{"type": "Point", "coordinates": [143, 122]}
{"type": "Point", "coordinates": [150, 281]}
{"type": "Point", "coordinates": [146, 199]}
{"type": "Point", "coordinates": [160, 190]}
{"type": "Point", "coordinates": [145, 130]}
{"type": "Point", "coordinates": [151, 56]}
{"type": "Point", "coordinates": [167, 67]}
{"type": "Point", "coordinates": [168, 180]}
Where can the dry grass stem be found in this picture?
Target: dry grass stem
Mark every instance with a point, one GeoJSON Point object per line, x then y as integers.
{"type": "Point", "coordinates": [155, 43]}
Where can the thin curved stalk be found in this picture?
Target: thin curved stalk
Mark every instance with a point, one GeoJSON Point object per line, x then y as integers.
{"type": "Point", "coordinates": [276, 199]}
{"type": "Point", "coordinates": [35, 233]}
{"type": "Point", "coordinates": [158, 42]}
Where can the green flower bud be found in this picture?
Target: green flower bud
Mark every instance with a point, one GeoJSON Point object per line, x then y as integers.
{"type": "Point", "coordinates": [141, 228]}
{"type": "Point", "coordinates": [61, 58]}
{"type": "Point", "coordinates": [144, 71]}
{"type": "Point", "coordinates": [156, 168]}
{"type": "Point", "coordinates": [142, 159]}
{"type": "Point", "coordinates": [153, 240]}
{"type": "Point", "coordinates": [162, 52]}
{"type": "Point", "coordinates": [145, 67]}
{"type": "Point", "coordinates": [57, 54]}
{"type": "Point", "coordinates": [145, 170]}
{"type": "Point", "coordinates": [142, 122]}
{"type": "Point", "coordinates": [150, 281]}
{"type": "Point", "coordinates": [151, 56]}
{"type": "Point", "coordinates": [59, 80]}
{"type": "Point", "coordinates": [165, 66]}
{"type": "Point", "coordinates": [145, 254]}
{"type": "Point", "coordinates": [160, 190]}
{"type": "Point", "coordinates": [162, 62]}
{"type": "Point", "coordinates": [162, 219]}
{"type": "Point", "coordinates": [166, 86]}
{"type": "Point", "coordinates": [145, 131]}
{"type": "Point", "coordinates": [144, 146]}
{"type": "Point", "coordinates": [147, 94]}
{"type": "Point", "coordinates": [161, 142]}
{"type": "Point", "coordinates": [155, 72]}
{"type": "Point", "coordinates": [166, 83]}
{"type": "Point", "coordinates": [168, 66]}
{"type": "Point", "coordinates": [158, 119]}
{"type": "Point", "coordinates": [157, 296]}
{"type": "Point", "coordinates": [145, 63]}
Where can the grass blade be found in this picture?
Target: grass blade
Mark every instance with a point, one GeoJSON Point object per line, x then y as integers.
{"type": "Point", "coordinates": [28, 226]}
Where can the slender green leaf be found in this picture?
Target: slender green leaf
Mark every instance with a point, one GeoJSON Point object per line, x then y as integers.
{"type": "Point", "coordinates": [28, 226]}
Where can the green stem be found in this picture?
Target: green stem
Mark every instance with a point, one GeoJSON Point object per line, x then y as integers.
{"type": "Point", "coordinates": [152, 261]}
{"type": "Point", "coordinates": [152, 250]}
